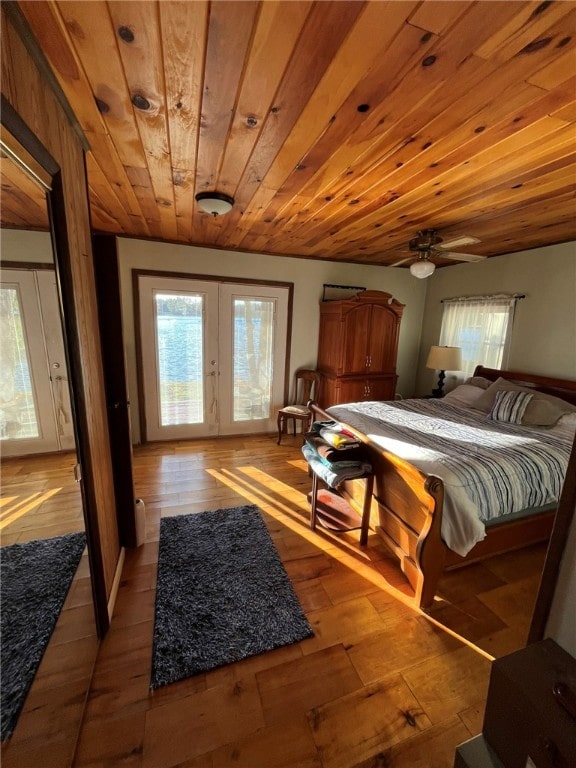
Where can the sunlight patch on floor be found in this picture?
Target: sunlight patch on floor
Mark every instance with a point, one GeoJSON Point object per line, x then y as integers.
{"type": "Point", "coordinates": [277, 499]}
{"type": "Point", "coordinates": [22, 507]}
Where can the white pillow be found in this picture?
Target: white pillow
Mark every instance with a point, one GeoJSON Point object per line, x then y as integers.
{"type": "Point", "coordinates": [479, 381]}
{"type": "Point", "coordinates": [565, 425]}
{"type": "Point", "coordinates": [465, 394]}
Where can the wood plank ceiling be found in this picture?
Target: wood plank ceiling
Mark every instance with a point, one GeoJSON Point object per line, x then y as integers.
{"type": "Point", "coordinates": [339, 128]}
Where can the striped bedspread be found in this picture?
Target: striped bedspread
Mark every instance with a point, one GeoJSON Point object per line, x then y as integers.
{"type": "Point", "coordinates": [489, 468]}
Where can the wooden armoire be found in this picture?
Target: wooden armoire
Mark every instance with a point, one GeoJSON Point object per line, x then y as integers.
{"type": "Point", "coordinates": [357, 348]}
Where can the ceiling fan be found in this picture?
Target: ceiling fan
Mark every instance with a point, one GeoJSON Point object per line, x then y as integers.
{"type": "Point", "coordinates": [427, 244]}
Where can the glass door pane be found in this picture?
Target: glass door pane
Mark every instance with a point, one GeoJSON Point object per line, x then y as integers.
{"type": "Point", "coordinates": [253, 330]}
{"type": "Point", "coordinates": [179, 341]}
{"type": "Point", "coordinates": [253, 361]}
{"type": "Point", "coordinates": [17, 403]}
{"type": "Point", "coordinates": [27, 414]}
{"type": "Point", "coordinates": [180, 345]}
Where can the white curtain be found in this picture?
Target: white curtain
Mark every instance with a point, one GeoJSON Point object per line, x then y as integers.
{"type": "Point", "coordinates": [481, 326]}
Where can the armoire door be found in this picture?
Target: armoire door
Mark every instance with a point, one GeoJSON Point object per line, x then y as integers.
{"type": "Point", "coordinates": [357, 332]}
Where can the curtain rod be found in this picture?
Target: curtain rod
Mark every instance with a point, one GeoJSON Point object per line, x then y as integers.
{"type": "Point", "coordinates": [493, 296]}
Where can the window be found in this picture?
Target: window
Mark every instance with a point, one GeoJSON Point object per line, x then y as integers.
{"type": "Point", "coordinates": [481, 326]}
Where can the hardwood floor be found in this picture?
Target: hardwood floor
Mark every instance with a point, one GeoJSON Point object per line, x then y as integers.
{"type": "Point", "coordinates": [379, 683]}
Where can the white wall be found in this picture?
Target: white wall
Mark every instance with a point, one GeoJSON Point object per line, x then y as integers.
{"type": "Point", "coordinates": [308, 278]}
{"type": "Point", "coordinates": [544, 333]}
{"type": "Point", "coordinates": [22, 245]}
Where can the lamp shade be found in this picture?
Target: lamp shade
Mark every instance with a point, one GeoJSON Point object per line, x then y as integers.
{"type": "Point", "coordinates": [422, 268]}
{"type": "Point", "coordinates": [215, 203]}
{"type": "Point", "coordinates": [445, 358]}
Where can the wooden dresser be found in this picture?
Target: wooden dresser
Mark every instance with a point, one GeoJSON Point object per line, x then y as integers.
{"type": "Point", "coordinates": [357, 348]}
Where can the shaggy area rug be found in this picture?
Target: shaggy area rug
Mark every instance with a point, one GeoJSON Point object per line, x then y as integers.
{"type": "Point", "coordinates": [34, 580]}
{"type": "Point", "coordinates": [222, 594]}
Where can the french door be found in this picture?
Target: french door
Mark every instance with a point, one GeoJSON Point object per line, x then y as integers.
{"type": "Point", "coordinates": [213, 356]}
{"type": "Point", "coordinates": [35, 410]}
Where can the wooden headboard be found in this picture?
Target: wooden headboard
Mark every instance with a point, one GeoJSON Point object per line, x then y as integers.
{"type": "Point", "coordinates": [564, 388]}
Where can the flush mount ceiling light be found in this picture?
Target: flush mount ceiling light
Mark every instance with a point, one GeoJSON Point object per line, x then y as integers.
{"type": "Point", "coordinates": [215, 203]}
{"type": "Point", "coordinates": [423, 267]}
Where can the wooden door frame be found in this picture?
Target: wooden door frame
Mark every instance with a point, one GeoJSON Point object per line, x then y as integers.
{"type": "Point", "coordinates": [106, 272]}
{"type": "Point", "coordinates": [19, 130]}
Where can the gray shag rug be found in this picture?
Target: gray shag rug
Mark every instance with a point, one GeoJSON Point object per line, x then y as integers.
{"type": "Point", "coordinates": [222, 594]}
{"type": "Point", "coordinates": [34, 580]}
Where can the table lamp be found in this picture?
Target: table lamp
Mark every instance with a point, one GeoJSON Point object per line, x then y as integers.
{"type": "Point", "coordinates": [443, 359]}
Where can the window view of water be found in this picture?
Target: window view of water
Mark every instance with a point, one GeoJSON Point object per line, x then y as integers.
{"type": "Point", "coordinates": [180, 371]}
{"type": "Point", "coordinates": [180, 343]}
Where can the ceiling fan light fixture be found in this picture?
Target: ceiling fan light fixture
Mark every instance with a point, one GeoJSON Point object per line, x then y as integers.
{"type": "Point", "coordinates": [422, 268]}
{"type": "Point", "coordinates": [215, 203]}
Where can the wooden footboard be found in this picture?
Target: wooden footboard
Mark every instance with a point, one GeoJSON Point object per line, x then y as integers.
{"type": "Point", "coordinates": [407, 512]}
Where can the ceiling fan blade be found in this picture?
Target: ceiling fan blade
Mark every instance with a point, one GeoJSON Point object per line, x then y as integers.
{"type": "Point", "coordinates": [402, 261]}
{"type": "Point", "coordinates": [460, 240]}
{"type": "Point", "coordinates": [460, 256]}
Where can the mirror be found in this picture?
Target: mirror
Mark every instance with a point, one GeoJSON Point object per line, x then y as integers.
{"type": "Point", "coordinates": [41, 499]}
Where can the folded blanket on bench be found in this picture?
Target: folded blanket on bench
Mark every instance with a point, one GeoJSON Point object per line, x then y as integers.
{"type": "Point", "coordinates": [331, 454]}
{"type": "Point", "coordinates": [335, 434]}
{"type": "Point", "coordinates": [330, 472]}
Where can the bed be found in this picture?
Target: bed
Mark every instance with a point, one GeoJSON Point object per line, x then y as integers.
{"type": "Point", "coordinates": [444, 492]}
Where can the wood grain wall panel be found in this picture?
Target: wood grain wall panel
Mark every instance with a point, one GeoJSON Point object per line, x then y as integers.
{"type": "Point", "coordinates": [528, 23]}
{"type": "Point", "coordinates": [142, 186]}
{"type": "Point", "coordinates": [141, 59]}
{"type": "Point", "coordinates": [492, 158]}
{"type": "Point", "coordinates": [105, 73]}
{"type": "Point", "coordinates": [556, 72]}
{"type": "Point", "coordinates": [350, 64]}
{"type": "Point", "coordinates": [259, 84]}
{"type": "Point", "coordinates": [183, 29]}
{"type": "Point", "coordinates": [106, 195]}
{"type": "Point", "coordinates": [358, 117]}
{"type": "Point", "coordinates": [298, 85]}
{"type": "Point", "coordinates": [499, 158]}
{"type": "Point", "coordinates": [437, 17]}
{"type": "Point", "coordinates": [447, 131]}
{"type": "Point", "coordinates": [352, 133]}
{"type": "Point", "coordinates": [31, 96]}
{"type": "Point", "coordinates": [230, 26]}
{"type": "Point", "coordinates": [52, 32]}
{"type": "Point", "coordinates": [27, 199]}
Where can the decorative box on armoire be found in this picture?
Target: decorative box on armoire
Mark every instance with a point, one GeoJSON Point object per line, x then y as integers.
{"type": "Point", "coordinates": [357, 348]}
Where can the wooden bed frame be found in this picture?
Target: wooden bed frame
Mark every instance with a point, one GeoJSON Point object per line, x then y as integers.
{"type": "Point", "coordinates": [408, 505]}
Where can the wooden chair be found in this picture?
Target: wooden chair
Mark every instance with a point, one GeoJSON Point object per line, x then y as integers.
{"type": "Point", "coordinates": [306, 389]}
